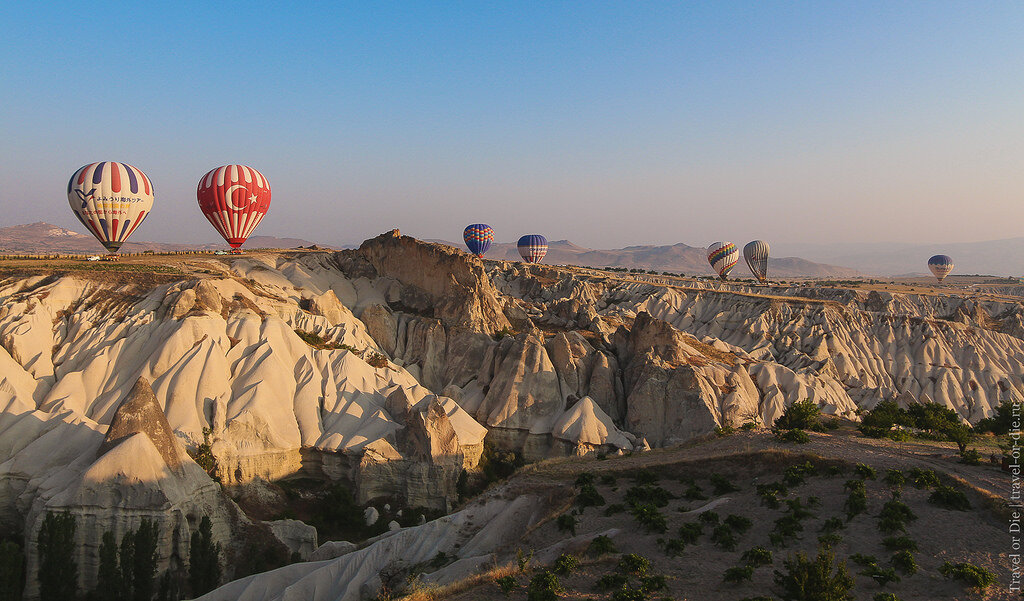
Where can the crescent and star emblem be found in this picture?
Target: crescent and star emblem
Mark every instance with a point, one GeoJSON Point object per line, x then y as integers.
{"type": "Point", "coordinates": [229, 195]}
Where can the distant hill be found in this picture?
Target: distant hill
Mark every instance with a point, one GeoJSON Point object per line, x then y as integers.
{"type": "Point", "coordinates": [43, 238]}
{"type": "Point", "coordinates": [991, 257]}
{"type": "Point", "coordinates": [677, 258]}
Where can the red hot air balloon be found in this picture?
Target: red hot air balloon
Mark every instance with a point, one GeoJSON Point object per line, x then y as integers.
{"type": "Point", "coordinates": [234, 198]}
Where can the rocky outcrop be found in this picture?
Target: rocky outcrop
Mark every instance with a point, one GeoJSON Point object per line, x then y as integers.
{"type": "Point", "coordinates": [139, 413]}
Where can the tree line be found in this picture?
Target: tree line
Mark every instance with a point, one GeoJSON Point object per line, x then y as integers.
{"type": "Point", "coordinates": [126, 571]}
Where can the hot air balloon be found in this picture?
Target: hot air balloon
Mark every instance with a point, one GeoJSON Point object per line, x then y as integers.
{"type": "Point", "coordinates": [723, 256]}
{"type": "Point", "coordinates": [756, 255]}
{"type": "Point", "coordinates": [111, 200]}
{"type": "Point", "coordinates": [533, 247]}
{"type": "Point", "coordinates": [940, 265]}
{"type": "Point", "coordinates": [234, 198]}
{"type": "Point", "coordinates": [478, 237]}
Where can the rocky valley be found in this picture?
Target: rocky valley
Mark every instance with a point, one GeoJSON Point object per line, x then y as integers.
{"type": "Point", "coordinates": [233, 388]}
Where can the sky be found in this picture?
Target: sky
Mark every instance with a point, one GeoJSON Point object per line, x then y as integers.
{"type": "Point", "coordinates": [605, 123]}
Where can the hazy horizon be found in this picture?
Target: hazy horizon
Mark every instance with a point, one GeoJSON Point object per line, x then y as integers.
{"type": "Point", "coordinates": [605, 124]}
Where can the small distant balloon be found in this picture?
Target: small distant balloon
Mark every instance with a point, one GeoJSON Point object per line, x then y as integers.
{"type": "Point", "coordinates": [478, 237]}
{"type": "Point", "coordinates": [940, 265]}
{"type": "Point", "coordinates": [723, 256]}
{"type": "Point", "coordinates": [756, 255]}
{"type": "Point", "coordinates": [533, 247]}
{"type": "Point", "coordinates": [111, 200]}
{"type": "Point", "coordinates": [234, 198]}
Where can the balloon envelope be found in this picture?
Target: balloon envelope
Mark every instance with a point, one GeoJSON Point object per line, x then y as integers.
{"type": "Point", "coordinates": [533, 247]}
{"type": "Point", "coordinates": [478, 237]}
{"type": "Point", "coordinates": [756, 255]}
{"type": "Point", "coordinates": [723, 256]}
{"type": "Point", "coordinates": [940, 265]}
{"type": "Point", "coordinates": [111, 200]}
{"type": "Point", "coordinates": [234, 199]}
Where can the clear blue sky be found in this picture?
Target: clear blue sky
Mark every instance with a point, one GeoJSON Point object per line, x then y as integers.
{"type": "Point", "coordinates": [605, 123]}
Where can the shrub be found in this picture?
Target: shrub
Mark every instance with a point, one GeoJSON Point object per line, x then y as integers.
{"type": "Point", "coordinates": [203, 455]}
{"type": "Point", "coordinates": [832, 525]}
{"type": "Point", "coordinates": [544, 587]}
{"type": "Point", "coordinates": [885, 597]}
{"type": "Point", "coordinates": [566, 523]}
{"type": "Point", "coordinates": [628, 594]}
{"type": "Point", "coordinates": [523, 560]}
{"type": "Point", "coordinates": [795, 436]}
{"type": "Point", "coordinates": [923, 478]}
{"type": "Point", "coordinates": [834, 470]}
{"type": "Point", "coordinates": [602, 545]}
{"type": "Point", "coordinates": [613, 509]}
{"type": "Point", "coordinates": [636, 565]}
{"type": "Point", "coordinates": [607, 480]}
{"type": "Point", "coordinates": [796, 475]}
{"type": "Point", "coordinates": [724, 537]}
{"type": "Point", "coordinates": [899, 543]}
{"type": "Point", "coordinates": [674, 547]}
{"type": "Point", "coordinates": [863, 560]}
{"type": "Point", "coordinates": [506, 583]}
{"type": "Point", "coordinates": [829, 540]}
{"type": "Point", "coordinates": [895, 478]}
{"type": "Point", "coordinates": [757, 556]}
{"type": "Point", "coordinates": [856, 503]}
{"type": "Point", "coordinates": [645, 476]}
{"type": "Point", "coordinates": [589, 497]}
{"type": "Point", "coordinates": [865, 471]}
{"type": "Point", "coordinates": [771, 492]}
{"type": "Point", "coordinates": [694, 493]}
{"type": "Point", "coordinates": [970, 457]}
{"type": "Point", "coordinates": [722, 485]}
{"type": "Point", "coordinates": [649, 517]}
{"type": "Point", "coordinates": [788, 527]}
{"type": "Point", "coordinates": [12, 570]}
{"type": "Point", "coordinates": [377, 360]}
{"type": "Point", "coordinates": [610, 582]}
{"type": "Point", "coordinates": [690, 532]}
{"type": "Point", "coordinates": [818, 579]}
{"type": "Point", "coordinates": [948, 497]}
{"type": "Point", "coordinates": [738, 574]}
{"type": "Point", "coordinates": [565, 564]}
{"type": "Point", "coordinates": [653, 495]}
{"type": "Point", "coordinates": [653, 583]}
{"type": "Point", "coordinates": [803, 415]}
{"type": "Point", "coordinates": [738, 523]}
{"type": "Point", "coordinates": [883, 576]}
{"type": "Point", "coordinates": [583, 479]}
{"type": "Point", "coordinates": [904, 562]}
{"type": "Point", "coordinates": [1001, 420]}
{"type": "Point", "coordinates": [895, 514]}
{"type": "Point", "coordinates": [796, 508]}
{"type": "Point", "coordinates": [497, 464]}
{"type": "Point", "coordinates": [970, 574]}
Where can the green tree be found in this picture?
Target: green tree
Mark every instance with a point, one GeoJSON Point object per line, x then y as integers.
{"type": "Point", "coordinates": [818, 579]}
{"type": "Point", "coordinates": [144, 561]}
{"type": "Point", "coordinates": [109, 582]}
{"type": "Point", "coordinates": [204, 560]}
{"type": "Point", "coordinates": [58, 569]}
{"type": "Point", "coordinates": [801, 415]}
{"type": "Point", "coordinates": [12, 570]}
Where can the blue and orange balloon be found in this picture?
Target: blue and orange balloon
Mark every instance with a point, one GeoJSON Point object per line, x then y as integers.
{"type": "Point", "coordinates": [533, 247]}
{"type": "Point", "coordinates": [111, 200]}
{"type": "Point", "coordinates": [478, 237]}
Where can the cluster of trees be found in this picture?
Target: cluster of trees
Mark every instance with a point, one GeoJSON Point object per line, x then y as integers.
{"type": "Point", "coordinates": [931, 420]}
{"type": "Point", "coordinates": [126, 572]}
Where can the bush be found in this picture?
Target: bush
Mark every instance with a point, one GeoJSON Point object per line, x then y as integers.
{"type": "Point", "coordinates": [795, 475]}
{"type": "Point", "coordinates": [722, 485]}
{"type": "Point", "coordinates": [724, 537]}
{"type": "Point", "coordinates": [771, 492]}
{"type": "Point", "coordinates": [865, 472]}
{"type": "Point", "coordinates": [1001, 420]}
{"type": "Point", "coordinates": [377, 360]}
{"type": "Point", "coordinates": [895, 478]}
{"type": "Point", "coordinates": [970, 457]}
{"type": "Point", "coordinates": [796, 436]}
{"type": "Point", "coordinates": [610, 582]}
{"type": "Point", "coordinates": [694, 493]}
{"type": "Point", "coordinates": [607, 480]}
{"type": "Point", "coordinates": [882, 576]}
{"type": "Point", "coordinates": [653, 495]}
{"type": "Point", "coordinates": [653, 584]}
{"type": "Point", "coordinates": [690, 532]}
{"type": "Point", "coordinates": [970, 574]}
{"type": "Point", "coordinates": [802, 415]}
{"type": "Point", "coordinates": [885, 597]}
{"type": "Point", "coordinates": [566, 523]}
{"type": "Point", "coordinates": [602, 545]}
{"type": "Point", "coordinates": [589, 497]}
{"type": "Point", "coordinates": [834, 470]}
{"type": "Point", "coordinates": [203, 455]}
{"type": "Point", "coordinates": [738, 574]}
{"type": "Point", "coordinates": [613, 509]}
{"type": "Point", "coordinates": [636, 565]}
{"type": "Point", "coordinates": [904, 562]}
{"type": "Point", "coordinates": [628, 594]}
{"type": "Point", "coordinates": [899, 543]}
{"type": "Point", "coordinates": [833, 525]}
{"type": "Point", "coordinates": [857, 502]}
{"type": "Point", "coordinates": [757, 556]}
{"type": "Point", "coordinates": [583, 479]}
{"type": "Point", "coordinates": [674, 547]}
{"type": "Point", "coordinates": [863, 560]}
{"type": "Point", "coordinates": [796, 508]}
{"type": "Point", "coordinates": [923, 478]}
{"type": "Point", "coordinates": [738, 523]}
{"type": "Point", "coordinates": [544, 587]}
{"type": "Point", "coordinates": [895, 514]}
{"type": "Point", "coordinates": [818, 579]}
{"type": "Point", "coordinates": [497, 464]}
{"type": "Point", "coordinates": [649, 517]}
{"type": "Point", "coordinates": [566, 564]}
{"type": "Point", "coordinates": [787, 527]}
{"type": "Point", "coordinates": [506, 583]}
{"type": "Point", "coordinates": [645, 476]}
{"type": "Point", "coordinates": [948, 497]}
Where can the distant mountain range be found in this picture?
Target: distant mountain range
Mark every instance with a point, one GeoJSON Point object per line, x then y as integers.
{"type": "Point", "coordinates": [43, 238]}
{"type": "Point", "coordinates": [677, 258]}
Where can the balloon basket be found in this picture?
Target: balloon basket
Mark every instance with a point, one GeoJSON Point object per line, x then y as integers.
{"type": "Point", "coordinates": [235, 251]}
{"type": "Point", "coordinates": [110, 257]}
